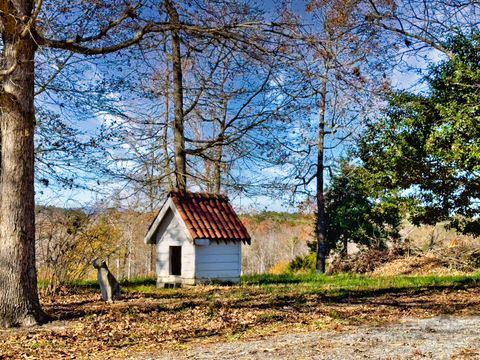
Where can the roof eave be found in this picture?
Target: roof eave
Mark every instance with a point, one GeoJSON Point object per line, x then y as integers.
{"type": "Point", "coordinates": [150, 236]}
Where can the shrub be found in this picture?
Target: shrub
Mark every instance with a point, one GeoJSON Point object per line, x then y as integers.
{"type": "Point", "coordinates": [303, 263]}
{"type": "Point", "coordinates": [279, 268]}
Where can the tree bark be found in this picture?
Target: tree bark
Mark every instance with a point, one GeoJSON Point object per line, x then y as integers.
{"type": "Point", "coordinates": [344, 252]}
{"type": "Point", "coordinates": [153, 260]}
{"type": "Point", "coordinates": [129, 259]}
{"type": "Point", "coordinates": [321, 226]}
{"type": "Point", "coordinates": [166, 160]}
{"type": "Point", "coordinates": [19, 303]}
{"type": "Point", "coordinates": [178, 124]}
{"type": "Point", "coordinates": [217, 172]}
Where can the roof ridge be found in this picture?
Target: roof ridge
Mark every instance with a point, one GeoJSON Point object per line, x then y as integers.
{"type": "Point", "coordinates": [199, 194]}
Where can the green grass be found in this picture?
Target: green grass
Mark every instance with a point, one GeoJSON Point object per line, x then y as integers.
{"type": "Point", "coordinates": [92, 283]}
{"type": "Point", "coordinates": [360, 282]}
{"type": "Point", "coordinates": [328, 286]}
{"type": "Point", "coordinates": [331, 285]}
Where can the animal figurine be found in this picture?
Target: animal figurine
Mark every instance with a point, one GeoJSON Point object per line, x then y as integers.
{"type": "Point", "coordinates": [108, 284]}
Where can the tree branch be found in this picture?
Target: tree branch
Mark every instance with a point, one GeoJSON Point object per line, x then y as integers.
{"type": "Point", "coordinates": [32, 19]}
{"type": "Point", "coordinates": [75, 44]}
{"type": "Point", "coordinates": [377, 18]}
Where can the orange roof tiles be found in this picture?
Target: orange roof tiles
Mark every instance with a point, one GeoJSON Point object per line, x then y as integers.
{"type": "Point", "coordinates": [209, 216]}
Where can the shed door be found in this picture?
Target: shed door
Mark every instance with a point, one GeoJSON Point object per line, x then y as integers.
{"type": "Point", "coordinates": [175, 260]}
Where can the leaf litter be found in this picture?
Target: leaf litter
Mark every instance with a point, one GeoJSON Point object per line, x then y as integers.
{"type": "Point", "coordinates": [84, 327]}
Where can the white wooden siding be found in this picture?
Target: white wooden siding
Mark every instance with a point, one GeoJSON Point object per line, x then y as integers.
{"type": "Point", "coordinates": [171, 233]}
{"type": "Point", "coordinates": [218, 261]}
{"type": "Point", "coordinates": [200, 263]}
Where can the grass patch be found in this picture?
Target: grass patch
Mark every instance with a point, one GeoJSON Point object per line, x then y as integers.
{"type": "Point", "coordinates": [309, 282]}
{"type": "Point", "coordinates": [340, 283]}
{"type": "Point", "coordinates": [344, 287]}
{"type": "Point", "coordinates": [135, 283]}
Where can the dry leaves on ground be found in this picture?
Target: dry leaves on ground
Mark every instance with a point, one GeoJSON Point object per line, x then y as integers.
{"type": "Point", "coordinates": [85, 327]}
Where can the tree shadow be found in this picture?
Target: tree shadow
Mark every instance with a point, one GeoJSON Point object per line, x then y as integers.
{"type": "Point", "coordinates": [399, 297]}
{"type": "Point", "coordinates": [403, 299]}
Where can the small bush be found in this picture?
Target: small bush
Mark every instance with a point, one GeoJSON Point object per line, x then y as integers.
{"type": "Point", "coordinates": [303, 263]}
{"type": "Point", "coordinates": [281, 267]}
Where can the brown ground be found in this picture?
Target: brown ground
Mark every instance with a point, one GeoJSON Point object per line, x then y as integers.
{"type": "Point", "coordinates": [445, 337]}
{"type": "Point", "coordinates": [417, 265]}
{"type": "Point", "coordinates": [150, 324]}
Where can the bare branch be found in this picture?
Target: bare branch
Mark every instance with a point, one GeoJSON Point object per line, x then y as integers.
{"type": "Point", "coordinates": [32, 19]}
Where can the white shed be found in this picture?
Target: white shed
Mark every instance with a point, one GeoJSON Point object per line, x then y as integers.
{"type": "Point", "coordinates": [198, 238]}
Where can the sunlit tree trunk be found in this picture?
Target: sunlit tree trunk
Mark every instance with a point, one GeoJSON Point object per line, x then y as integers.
{"type": "Point", "coordinates": [19, 303]}
{"type": "Point", "coordinates": [321, 225]}
{"type": "Point", "coordinates": [217, 172]}
{"type": "Point", "coordinates": [178, 123]}
{"type": "Point", "coordinates": [166, 159]}
{"type": "Point", "coordinates": [129, 259]}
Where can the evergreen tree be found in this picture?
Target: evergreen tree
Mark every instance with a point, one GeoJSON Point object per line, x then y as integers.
{"type": "Point", "coordinates": [359, 213]}
{"type": "Point", "coordinates": [429, 144]}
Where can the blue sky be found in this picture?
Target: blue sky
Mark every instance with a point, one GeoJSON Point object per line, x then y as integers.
{"type": "Point", "coordinates": [402, 79]}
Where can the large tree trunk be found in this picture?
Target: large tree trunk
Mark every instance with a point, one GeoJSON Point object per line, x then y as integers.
{"type": "Point", "coordinates": [19, 303]}
{"type": "Point", "coordinates": [217, 172]}
{"type": "Point", "coordinates": [166, 159]}
{"type": "Point", "coordinates": [178, 124]}
{"type": "Point", "coordinates": [321, 226]}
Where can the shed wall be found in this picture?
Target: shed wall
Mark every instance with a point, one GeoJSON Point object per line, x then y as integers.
{"type": "Point", "coordinates": [171, 233]}
{"type": "Point", "coordinates": [218, 262]}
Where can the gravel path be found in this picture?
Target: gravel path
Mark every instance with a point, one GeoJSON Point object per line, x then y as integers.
{"type": "Point", "coordinates": [446, 337]}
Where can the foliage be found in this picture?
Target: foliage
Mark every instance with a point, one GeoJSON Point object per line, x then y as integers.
{"type": "Point", "coordinates": [276, 238]}
{"type": "Point", "coordinates": [360, 213]}
{"type": "Point", "coordinates": [281, 267]}
{"type": "Point", "coordinates": [305, 263]}
{"type": "Point", "coordinates": [68, 241]}
{"type": "Point", "coordinates": [357, 212]}
{"type": "Point", "coordinates": [280, 217]}
{"type": "Point", "coordinates": [429, 145]}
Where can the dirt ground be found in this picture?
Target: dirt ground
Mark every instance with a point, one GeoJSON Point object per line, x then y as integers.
{"type": "Point", "coordinates": [256, 322]}
{"type": "Point", "coordinates": [441, 337]}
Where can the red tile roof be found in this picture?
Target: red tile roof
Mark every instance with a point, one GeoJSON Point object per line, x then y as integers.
{"type": "Point", "coordinates": [209, 216]}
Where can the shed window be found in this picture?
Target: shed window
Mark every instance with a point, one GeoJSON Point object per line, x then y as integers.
{"type": "Point", "coordinates": [175, 260]}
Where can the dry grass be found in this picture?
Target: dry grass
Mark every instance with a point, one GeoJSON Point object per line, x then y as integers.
{"type": "Point", "coordinates": [428, 264]}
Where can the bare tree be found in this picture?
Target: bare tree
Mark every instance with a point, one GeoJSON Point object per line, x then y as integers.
{"type": "Point", "coordinates": [225, 98]}
{"type": "Point", "coordinates": [232, 118]}
{"type": "Point", "coordinates": [27, 27]}
{"type": "Point", "coordinates": [69, 240]}
{"type": "Point", "coordinates": [344, 68]}
{"type": "Point", "coordinates": [424, 24]}
{"type": "Point", "coordinates": [202, 74]}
